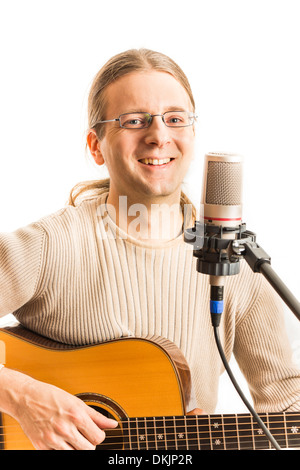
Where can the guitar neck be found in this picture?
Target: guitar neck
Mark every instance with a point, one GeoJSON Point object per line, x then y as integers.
{"type": "Point", "coordinates": [206, 432]}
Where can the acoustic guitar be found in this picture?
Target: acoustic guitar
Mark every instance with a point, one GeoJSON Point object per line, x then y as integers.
{"type": "Point", "coordinates": [143, 383]}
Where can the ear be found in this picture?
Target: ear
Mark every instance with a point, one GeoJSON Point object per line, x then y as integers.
{"type": "Point", "coordinates": [94, 146]}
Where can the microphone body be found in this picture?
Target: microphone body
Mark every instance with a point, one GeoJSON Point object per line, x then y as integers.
{"type": "Point", "coordinates": [221, 202]}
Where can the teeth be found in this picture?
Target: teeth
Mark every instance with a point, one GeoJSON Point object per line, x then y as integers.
{"type": "Point", "coordinates": [151, 161]}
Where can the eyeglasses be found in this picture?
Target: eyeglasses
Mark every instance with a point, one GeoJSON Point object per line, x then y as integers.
{"type": "Point", "coordinates": [144, 120]}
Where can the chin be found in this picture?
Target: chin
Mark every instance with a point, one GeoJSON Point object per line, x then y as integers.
{"type": "Point", "coordinates": [161, 192]}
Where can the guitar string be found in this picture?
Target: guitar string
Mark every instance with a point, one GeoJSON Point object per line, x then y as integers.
{"type": "Point", "coordinates": [189, 429]}
{"type": "Point", "coordinates": [112, 434]}
{"type": "Point", "coordinates": [233, 417]}
{"type": "Point", "coordinates": [212, 435]}
{"type": "Point", "coordinates": [112, 439]}
{"type": "Point", "coordinates": [141, 421]}
{"type": "Point", "coordinates": [146, 444]}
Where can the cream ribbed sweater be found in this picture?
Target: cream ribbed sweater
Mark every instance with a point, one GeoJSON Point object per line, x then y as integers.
{"type": "Point", "coordinates": [69, 277]}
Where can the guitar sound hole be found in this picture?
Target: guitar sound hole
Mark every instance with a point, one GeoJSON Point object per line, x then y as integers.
{"type": "Point", "coordinates": [103, 411]}
{"type": "Point", "coordinates": [114, 437]}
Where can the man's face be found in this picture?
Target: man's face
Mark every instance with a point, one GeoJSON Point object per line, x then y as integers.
{"type": "Point", "coordinates": [124, 151]}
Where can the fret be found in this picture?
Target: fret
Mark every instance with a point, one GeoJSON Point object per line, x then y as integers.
{"type": "Point", "coordinates": [252, 431]}
{"type": "Point", "coordinates": [126, 435]}
{"type": "Point", "coordinates": [134, 433]}
{"type": "Point", "coordinates": [245, 430]}
{"type": "Point", "coordinates": [165, 432]}
{"type": "Point", "coordinates": [175, 436]}
{"type": "Point", "coordinates": [260, 438]}
{"type": "Point", "coordinates": [186, 434]}
{"type": "Point", "coordinates": [292, 421]}
{"type": "Point", "coordinates": [285, 430]}
{"type": "Point", "coordinates": [193, 432]}
{"type": "Point", "coordinates": [217, 432]}
{"type": "Point", "coordinates": [230, 432]}
{"type": "Point", "coordinates": [160, 433]}
{"type": "Point", "coordinates": [276, 426]}
{"type": "Point", "coordinates": [141, 434]}
{"type": "Point", "coordinates": [204, 432]}
{"type": "Point", "coordinates": [170, 434]}
{"type": "Point", "coordinates": [223, 432]}
{"type": "Point", "coordinates": [237, 433]}
{"type": "Point", "coordinates": [150, 433]}
{"type": "Point", "coordinates": [180, 433]}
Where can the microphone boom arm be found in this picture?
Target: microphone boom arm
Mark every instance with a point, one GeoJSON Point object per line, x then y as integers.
{"type": "Point", "coordinates": [260, 261]}
{"type": "Point", "coordinates": [220, 256]}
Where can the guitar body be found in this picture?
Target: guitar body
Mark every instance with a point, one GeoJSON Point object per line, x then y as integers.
{"type": "Point", "coordinates": [121, 378]}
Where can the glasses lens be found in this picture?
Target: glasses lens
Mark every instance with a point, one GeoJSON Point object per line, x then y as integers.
{"type": "Point", "coordinates": [178, 118]}
{"type": "Point", "coordinates": [135, 120]}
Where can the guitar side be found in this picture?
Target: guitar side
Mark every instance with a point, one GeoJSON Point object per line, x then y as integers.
{"type": "Point", "coordinates": [122, 378]}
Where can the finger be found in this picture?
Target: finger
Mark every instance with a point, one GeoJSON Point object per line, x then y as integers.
{"type": "Point", "coordinates": [53, 442]}
{"type": "Point", "coordinates": [101, 420]}
{"type": "Point", "coordinates": [81, 434]}
{"type": "Point", "coordinates": [63, 446]}
{"type": "Point", "coordinates": [78, 441]}
{"type": "Point", "coordinates": [91, 431]}
{"type": "Point", "coordinates": [196, 411]}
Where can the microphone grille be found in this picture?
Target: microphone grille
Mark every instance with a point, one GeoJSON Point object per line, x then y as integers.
{"type": "Point", "coordinates": [224, 183]}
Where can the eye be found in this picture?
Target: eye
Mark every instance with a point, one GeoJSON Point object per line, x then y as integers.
{"type": "Point", "coordinates": [134, 120]}
{"type": "Point", "coordinates": [176, 118]}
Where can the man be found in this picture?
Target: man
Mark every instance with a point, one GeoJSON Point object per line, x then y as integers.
{"type": "Point", "coordinates": [90, 273]}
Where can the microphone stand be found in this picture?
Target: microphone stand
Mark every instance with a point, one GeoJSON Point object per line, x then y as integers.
{"type": "Point", "coordinates": [219, 256]}
{"type": "Point", "coordinates": [218, 250]}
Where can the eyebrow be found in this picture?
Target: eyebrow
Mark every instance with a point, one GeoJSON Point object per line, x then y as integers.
{"type": "Point", "coordinates": [169, 108]}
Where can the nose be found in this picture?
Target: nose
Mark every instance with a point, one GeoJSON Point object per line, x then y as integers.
{"type": "Point", "coordinates": [157, 133]}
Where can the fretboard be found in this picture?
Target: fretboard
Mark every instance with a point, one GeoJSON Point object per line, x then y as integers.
{"type": "Point", "coordinates": [202, 432]}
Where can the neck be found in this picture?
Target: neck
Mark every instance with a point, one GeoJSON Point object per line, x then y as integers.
{"type": "Point", "coordinates": [153, 219]}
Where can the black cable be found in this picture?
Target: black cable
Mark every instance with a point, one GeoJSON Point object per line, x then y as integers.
{"type": "Point", "coordinates": [248, 405]}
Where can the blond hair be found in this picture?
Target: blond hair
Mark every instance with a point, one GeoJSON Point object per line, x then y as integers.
{"type": "Point", "coordinates": [133, 60]}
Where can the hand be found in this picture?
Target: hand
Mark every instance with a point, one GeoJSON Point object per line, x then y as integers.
{"type": "Point", "coordinates": [56, 420]}
{"type": "Point", "coordinates": [196, 411]}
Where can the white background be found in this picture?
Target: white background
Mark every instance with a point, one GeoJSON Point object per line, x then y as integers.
{"type": "Point", "coordinates": [242, 60]}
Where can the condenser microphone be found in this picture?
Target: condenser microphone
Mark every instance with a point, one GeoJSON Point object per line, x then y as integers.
{"type": "Point", "coordinates": [220, 222]}
{"type": "Point", "coordinates": [220, 212]}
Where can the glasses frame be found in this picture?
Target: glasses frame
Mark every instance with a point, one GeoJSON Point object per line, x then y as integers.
{"type": "Point", "coordinates": [191, 115]}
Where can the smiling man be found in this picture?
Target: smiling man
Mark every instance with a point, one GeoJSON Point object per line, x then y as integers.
{"type": "Point", "coordinates": [66, 278]}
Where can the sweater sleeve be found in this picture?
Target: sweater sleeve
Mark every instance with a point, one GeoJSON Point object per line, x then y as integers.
{"type": "Point", "coordinates": [264, 354]}
{"type": "Point", "coordinates": [20, 265]}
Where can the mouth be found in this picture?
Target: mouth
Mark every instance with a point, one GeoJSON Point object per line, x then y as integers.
{"type": "Point", "coordinates": [155, 161]}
